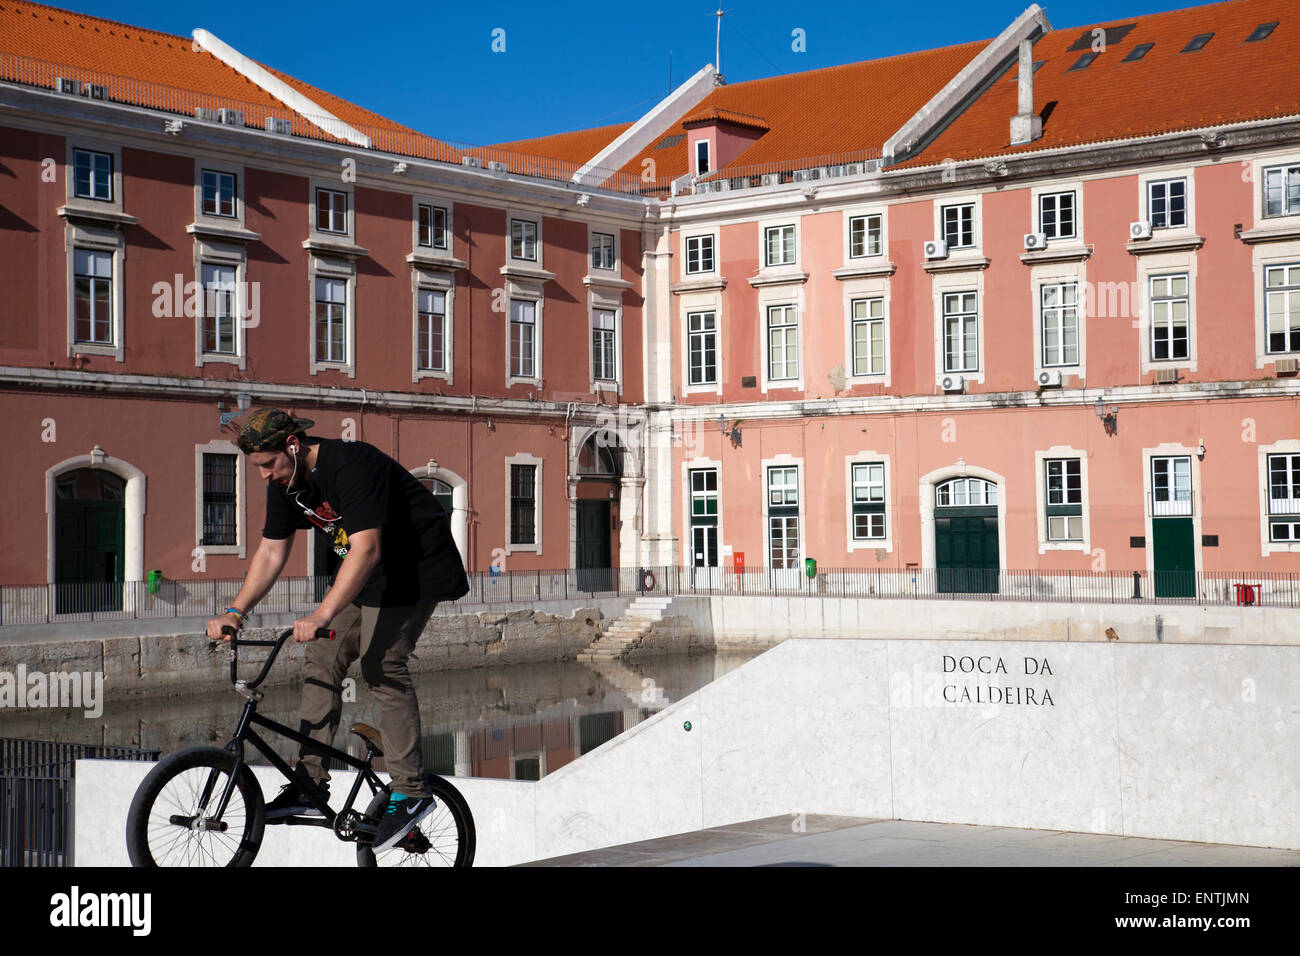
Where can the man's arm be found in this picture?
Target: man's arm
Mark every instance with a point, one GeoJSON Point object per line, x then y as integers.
{"type": "Point", "coordinates": [269, 560]}
{"type": "Point", "coordinates": [362, 556]}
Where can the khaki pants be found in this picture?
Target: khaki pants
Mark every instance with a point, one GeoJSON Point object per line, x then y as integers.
{"type": "Point", "coordinates": [383, 638]}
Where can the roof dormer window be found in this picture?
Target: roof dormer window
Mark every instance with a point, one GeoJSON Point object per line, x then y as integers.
{"type": "Point", "coordinates": [702, 157]}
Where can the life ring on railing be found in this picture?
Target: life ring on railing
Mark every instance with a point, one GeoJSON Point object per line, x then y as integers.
{"type": "Point", "coordinates": [647, 579]}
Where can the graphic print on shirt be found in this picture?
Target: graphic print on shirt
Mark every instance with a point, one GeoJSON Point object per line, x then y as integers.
{"type": "Point", "coordinates": [326, 518]}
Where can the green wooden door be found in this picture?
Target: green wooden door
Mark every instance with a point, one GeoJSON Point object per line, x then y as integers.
{"type": "Point", "coordinates": [1173, 547]}
{"type": "Point", "coordinates": [966, 550]}
{"type": "Point", "coordinates": [594, 547]}
{"type": "Point", "coordinates": [90, 547]}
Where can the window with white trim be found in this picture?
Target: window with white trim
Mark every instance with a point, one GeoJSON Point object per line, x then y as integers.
{"type": "Point", "coordinates": [782, 343]}
{"type": "Point", "coordinates": [699, 254]}
{"type": "Point", "coordinates": [219, 194]}
{"type": "Point", "coordinates": [958, 224]}
{"type": "Point", "coordinates": [778, 244]}
{"type": "Point", "coordinates": [1282, 190]}
{"type": "Point", "coordinates": [602, 251]}
{"type": "Point", "coordinates": [868, 500]}
{"type": "Point", "coordinates": [431, 226]}
{"type": "Point", "coordinates": [431, 318]}
{"type": "Point", "coordinates": [332, 211]}
{"type": "Point", "coordinates": [960, 332]}
{"type": "Point", "coordinates": [1169, 317]}
{"type": "Point", "coordinates": [92, 175]}
{"type": "Point", "coordinates": [1282, 307]}
{"type": "Point", "coordinates": [865, 235]}
{"type": "Point", "coordinates": [220, 309]}
{"type": "Point", "coordinates": [523, 344]}
{"type": "Point", "coordinates": [868, 336]}
{"type": "Point", "coordinates": [523, 239]}
{"type": "Point", "coordinates": [604, 363]}
{"type": "Point", "coordinates": [1284, 498]}
{"type": "Point", "coordinates": [331, 320]}
{"type": "Point", "coordinates": [1060, 318]}
{"type": "Point", "coordinates": [959, 492]}
{"type": "Point", "coordinates": [783, 516]}
{"type": "Point", "coordinates": [220, 500]}
{"type": "Point", "coordinates": [701, 156]}
{"type": "Point", "coordinates": [1056, 219]}
{"type": "Point", "coordinates": [93, 306]}
{"type": "Point", "coordinates": [703, 487]}
{"type": "Point", "coordinates": [1171, 486]}
{"type": "Point", "coordinates": [702, 348]}
{"type": "Point", "coordinates": [1167, 203]}
{"type": "Point", "coordinates": [523, 504]}
{"type": "Point", "coordinates": [1064, 499]}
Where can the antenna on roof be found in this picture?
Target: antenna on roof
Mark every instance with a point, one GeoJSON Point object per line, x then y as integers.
{"type": "Point", "coordinates": [719, 79]}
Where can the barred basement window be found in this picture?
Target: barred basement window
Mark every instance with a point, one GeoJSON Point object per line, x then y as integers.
{"type": "Point", "coordinates": [220, 500]}
{"type": "Point", "coordinates": [523, 504]}
{"type": "Point", "coordinates": [1064, 499]}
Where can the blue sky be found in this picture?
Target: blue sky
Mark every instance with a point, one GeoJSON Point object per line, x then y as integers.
{"type": "Point", "coordinates": [569, 65]}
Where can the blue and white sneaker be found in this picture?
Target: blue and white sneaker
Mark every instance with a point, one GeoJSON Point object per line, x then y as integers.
{"type": "Point", "coordinates": [400, 817]}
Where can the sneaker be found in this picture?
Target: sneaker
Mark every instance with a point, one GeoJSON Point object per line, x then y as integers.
{"type": "Point", "coordinates": [292, 802]}
{"type": "Point", "coordinates": [400, 818]}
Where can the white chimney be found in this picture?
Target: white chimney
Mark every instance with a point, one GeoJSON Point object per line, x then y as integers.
{"type": "Point", "coordinates": [1026, 126]}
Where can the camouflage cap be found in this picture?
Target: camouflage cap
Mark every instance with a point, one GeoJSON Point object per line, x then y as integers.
{"type": "Point", "coordinates": [267, 429]}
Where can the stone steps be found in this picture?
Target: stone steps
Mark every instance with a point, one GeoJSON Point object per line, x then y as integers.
{"type": "Point", "coordinates": [624, 634]}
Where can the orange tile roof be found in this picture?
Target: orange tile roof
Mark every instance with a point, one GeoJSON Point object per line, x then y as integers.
{"type": "Point", "coordinates": [574, 147]}
{"type": "Point", "coordinates": [839, 109]}
{"type": "Point", "coordinates": [1228, 81]}
{"type": "Point", "coordinates": [715, 114]}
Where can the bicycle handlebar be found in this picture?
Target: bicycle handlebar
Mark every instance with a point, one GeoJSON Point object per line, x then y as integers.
{"type": "Point", "coordinates": [322, 633]}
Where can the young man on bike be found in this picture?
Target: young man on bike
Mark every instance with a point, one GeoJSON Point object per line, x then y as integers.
{"type": "Point", "coordinates": [399, 561]}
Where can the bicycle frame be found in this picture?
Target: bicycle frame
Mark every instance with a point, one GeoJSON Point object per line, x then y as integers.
{"type": "Point", "coordinates": [245, 734]}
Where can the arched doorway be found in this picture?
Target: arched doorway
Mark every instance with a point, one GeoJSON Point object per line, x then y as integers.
{"type": "Point", "coordinates": [966, 536]}
{"type": "Point", "coordinates": [600, 471]}
{"type": "Point", "coordinates": [89, 540]}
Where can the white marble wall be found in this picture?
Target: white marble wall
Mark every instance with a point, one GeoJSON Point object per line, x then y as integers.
{"type": "Point", "coordinates": [1174, 741]}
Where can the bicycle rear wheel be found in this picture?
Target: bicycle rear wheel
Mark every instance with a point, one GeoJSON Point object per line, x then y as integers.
{"type": "Point", "coordinates": [170, 823]}
{"type": "Point", "coordinates": [443, 838]}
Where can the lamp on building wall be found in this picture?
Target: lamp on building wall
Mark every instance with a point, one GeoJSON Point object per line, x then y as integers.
{"type": "Point", "coordinates": [1200, 448]}
{"type": "Point", "coordinates": [1109, 419]}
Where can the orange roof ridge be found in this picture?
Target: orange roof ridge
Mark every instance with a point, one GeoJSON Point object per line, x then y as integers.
{"type": "Point", "coordinates": [60, 11]}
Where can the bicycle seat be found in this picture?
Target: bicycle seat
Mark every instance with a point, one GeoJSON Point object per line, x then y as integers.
{"type": "Point", "coordinates": [370, 736]}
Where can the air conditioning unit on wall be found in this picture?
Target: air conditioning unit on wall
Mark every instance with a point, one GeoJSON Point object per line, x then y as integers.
{"type": "Point", "coordinates": [1139, 230]}
{"type": "Point", "coordinates": [1049, 378]}
{"type": "Point", "coordinates": [1035, 241]}
{"type": "Point", "coordinates": [936, 249]}
{"type": "Point", "coordinates": [952, 382]}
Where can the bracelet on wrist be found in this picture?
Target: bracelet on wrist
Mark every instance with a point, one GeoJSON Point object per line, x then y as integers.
{"type": "Point", "coordinates": [243, 618]}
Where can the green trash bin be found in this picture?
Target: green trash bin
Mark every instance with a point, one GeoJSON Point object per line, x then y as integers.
{"type": "Point", "coordinates": [155, 581]}
{"type": "Point", "coordinates": [810, 567]}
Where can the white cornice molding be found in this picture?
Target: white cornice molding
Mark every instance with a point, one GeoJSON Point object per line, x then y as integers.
{"type": "Point", "coordinates": [305, 107]}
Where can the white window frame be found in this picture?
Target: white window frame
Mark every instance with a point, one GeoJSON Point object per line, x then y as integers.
{"type": "Point", "coordinates": [960, 231]}
{"type": "Point", "coordinates": [946, 283]}
{"type": "Point", "coordinates": [108, 242]}
{"type": "Point", "coordinates": [202, 170]}
{"type": "Point", "coordinates": [686, 257]}
{"type": "Point", "coordinates": [1061, 307]}
{"type": "Point", "coordinates": [80, 144]}
{"type": "Point", "coordinates": [345, 272]}
{"type": "Point", "coordinates": [538, 302]}
{"type": "Point", "coordinates": [1055, 188]}
{"type": "Point", "coordinates": [1057, 273]}
{"type": "Point", "coordinates": [349, 212]}
{"type": "Point", "coordinates": [602, 303]}
{"type": "Point", "coordinates": [979, 331]}
{"type": "Point", "coordinates": [1162, 264]}
{"type": "Point", "coordinates": [1290, 446]}
{"type": "Point", "coordinates": [1287, 170]}
{"type": "Point", "coordinates": [783, 461]}
{"type": "Point", "coordinates": [708, 156]}
{"type": "Point", "coordinates": [438, 282]}
{"type": "Point", "coordinates": [524, 458]}
{"type": "Point", "coordinates": [976, 199]}
{"type": "Point", "coordinates": [784, 382]}
{"type": "Point", "coordinates": [433, 249]}
{"type": "Point", "coordinates": [1166, 184]}
{"type": "Point", "coordinates": [1173, 506]}
{"type": "Point", "coordinates": [1055, 196]}
{"type": "Point", "coordinates": [1168, 279]}
{"type": "Point", "coordinates": [698, 464]}
{"type": "Point", "coordinates": [854, 290]}
{"type": "Point", "coordinates": [690, 335]}
{"type": "Point", "coordinates": [849, 218]}
{"type": "Point", "coordinates": [794, 244]}
{"type": "Point", "coordinates": [240, 548]}
{"type": "Point", "coordinates": [885, 544]}
{"type": "Point", "coordinates": [238, 296]}
{"type": "Point", "coordinates": [1041, 457]}
{"type": "Point", "coordinates": [1145, 179]}
{"type": "Point", "coordinates": [109, 183]}
{"type": "Point", "coordinates": [612, 235]}
{"type": "Point", "coordinates": [535, 220]}
{"type": "Point", "coordinates": [868, 320]}
{"type": "Point", "coordinates": [687, 304]}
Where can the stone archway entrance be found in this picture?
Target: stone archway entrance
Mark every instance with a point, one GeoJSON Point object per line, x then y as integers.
{"type": "Point", "coordinates": [600, 473]}
{"type": "Point", "coordinates": [89, 540]}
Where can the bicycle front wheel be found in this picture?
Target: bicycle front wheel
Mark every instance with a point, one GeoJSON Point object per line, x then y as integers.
{"type": "Point", "coordinates": [445, 837]}
{"type": "Point", "coordinates": [172, 819]}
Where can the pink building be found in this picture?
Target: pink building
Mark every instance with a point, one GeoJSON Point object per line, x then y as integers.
{"type": "Point", "coordinates": [936, 311]}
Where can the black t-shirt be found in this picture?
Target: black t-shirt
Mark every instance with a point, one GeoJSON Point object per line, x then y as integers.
{"type": "Point", "coordinates": [355, 487]}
